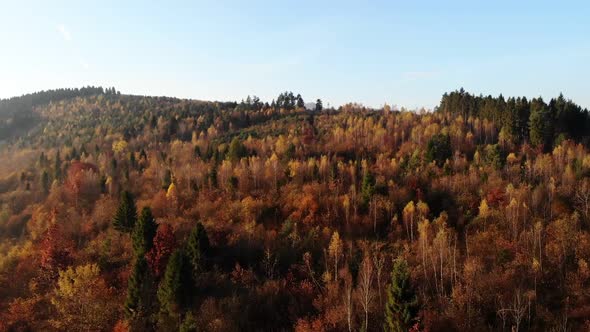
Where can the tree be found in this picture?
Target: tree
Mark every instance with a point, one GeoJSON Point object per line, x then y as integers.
{"type": "Point", "coordinates": [408, 215]}
{"type": "Point", "coordinates": [45, 182]}
{"type": "Point", "coordinates": [236, 150]}
{"type": "Point", "coordinates": [494, 156]}
{"type": "Point", "coordinates": [189, 323]}
{"type": "Point", "coordinates": [401, 308]}
{"type": "Point", "coordinates": [56, 249]}
{"type": "Point", "coordinates": [439, 149]}
{"type": "Point", "coordinates": [176, 286]}
{"type": "Point", "coordinates": [143, 232]}
{"type": "Point", "coordinates": [540, 124]}
{"type": "Point", "coordinates": [300, 102]}
{"type": "Point", "coordinates": [164, 245]}
{"type": "Point", "coordinates": [136, 288]}
{"type": "Point", "coordinates": [365, 281]}
{"type": "Point", "coordinates": [126, 214]}
{"type": "Point", "coordinates": [82, 300]}
{"type": "Point", "coordinates": [367, 189]}
{"type": "Point", "coordinates": [318, 105]}
{"type": "Point", "coordinates": [335, 250]}
{"type": "Point", "coordinates": [484, 209]}
{"type": "Point", "coordinates": [197, 248]}
{"type": "Point", "coordinates": [57, 167]}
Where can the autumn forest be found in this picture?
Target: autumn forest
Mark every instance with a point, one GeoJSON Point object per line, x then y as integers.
{"type": "Point", "coordinates": [135, 213]}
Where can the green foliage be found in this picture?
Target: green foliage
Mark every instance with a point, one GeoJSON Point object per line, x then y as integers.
{"type": "Point", "coordinates": [197, 248]}
{"type": "Point", "coordinates": [520, 119]}
{"type": "Point", "coordinates": [367, 189]}
{"type": "Point", "coordinates": [175, 288]}
{"type": "Point", "coordinates": [45, 182]}
{"type": "Point", "coordinates": [540, 124]}
{"type": "Point", "coordinates": [134, 303]}
{"type": "Point", "coordinates": [493, 156]}
{"type": "Point", "coordinates": [439, 149]}
{"type": "Point", "coordinates": [57, 167]}
{"type": "Point", "coordinates": [236, 150]}
{"type": "Point", "coordinates": [126, 214]}
{"type": "Point", "coordinates": [189, 323]}
{"type": "Point", "coordinates": [402, 304]}
{"type": "Point", "coordinates": [143, 232]}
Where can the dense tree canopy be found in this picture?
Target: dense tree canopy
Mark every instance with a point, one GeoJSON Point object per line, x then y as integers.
{"type": "Point", "coordinates": [269, 216]}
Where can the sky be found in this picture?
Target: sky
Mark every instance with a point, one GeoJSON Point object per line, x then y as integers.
{"type": "Point", "coordinates": [404, 53]}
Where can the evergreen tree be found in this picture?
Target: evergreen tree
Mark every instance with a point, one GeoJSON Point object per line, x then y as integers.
{"type": "Point", "coordinates": [367, 189]}
{"type": "Point", "coordinates": [189, 324]}
{"type": "Point", "coordinates": [402, 305]}
{"type": "Point", "coordinates": [144, 232]}
{"type": "Point", "coordinates": [540, 124]}
{"type": "Point", "coordinates": [494, 156]}
{"type": "Point", "coordinates": [135, 287]}
{"type": "Point", "coordinates": [57, 166]}
{"type": "Point", "coordinates": [318, 105]}
{"type": "Point", "coordinates": [300, 102]}
{"type": "Point", "coordinates": [126, 214]}
{"type": "Point", "coordinates": [45, 182]}
{"type": "Point", "coordinates": [236, 150]}
{"type": "Point", "coordinates": [197, 248]}
{"type": "Point", "coordinates": [175, 286]}
{"type": "Point", "coordinates": [439, 149]}
{"type": "Point", "coordinates": [132, 160]}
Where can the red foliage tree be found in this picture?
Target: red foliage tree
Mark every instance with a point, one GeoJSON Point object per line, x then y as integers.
{"type": "Point", "coordinates": [164, 245]}
{"type": "Point", "coordinates": [55, 250]}
{"type": "Point", "coordinates": [78, 184]}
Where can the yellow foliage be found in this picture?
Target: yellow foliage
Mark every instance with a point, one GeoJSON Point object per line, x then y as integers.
{"type": "Point", "coordinates": [10, 253]}
{"type": "Point", "coordinates": [484, 209]}
{"type": "Point", "coordinates": [335, 245]}
{"type": "Point", "coordinates": [422, 209]}
{"type": "Point", "coordinates": [171, 192]}
{"type": "Point", "coordinates": [72, 280]}
{"type": "Point", "coordinates": [119, 146]}
{"type": "Point", "coordinates": [409, 209]}
{"type": "Point", "coordinates": [82, 300]}
{"type": "Point", "coordinates": [511, 159]}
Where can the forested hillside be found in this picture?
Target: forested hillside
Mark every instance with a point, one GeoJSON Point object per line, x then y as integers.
{"type": "Point", "coordinates": [131, 213]}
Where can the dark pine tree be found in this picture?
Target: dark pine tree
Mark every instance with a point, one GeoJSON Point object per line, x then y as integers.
{"type": "Point", "coordinates": [57, 166]}
{"type": "Point", "coordinates": [143, 232]}
{"type": "Point", "coordinates": [318, 105]}
{"type": "Point", "coordinates": [45, 182]}
{"type": "Point", "coordinates": [197, 248]}
{"type": "Point", "coordinates": [300, 102]}
{"type": "Point", "coordinates": [135, 287]}
{"type": "Point", "coordinates": [439, 149]}
{"type": "Point", "coordinates": [367, 189]}
{"type": "Point", "coordinates": [176, 287]}
{"type": "Point", "coordinates": [401, 308]}
{"type": "Point", "coordinates": [540, 124]}
{"type": "Point", "coordinates": [126, 214]}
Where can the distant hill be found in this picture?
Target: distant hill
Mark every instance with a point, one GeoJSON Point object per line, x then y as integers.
{"type": "Point", "coordinates": [17, 116]}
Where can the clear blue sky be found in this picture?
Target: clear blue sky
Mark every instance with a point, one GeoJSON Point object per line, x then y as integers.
{"type": "Point", "coordinates": [406, 53]}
